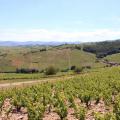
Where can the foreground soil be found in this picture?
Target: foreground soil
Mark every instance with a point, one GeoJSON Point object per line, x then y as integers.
{"type": "Point", "coordinates": [9, 112]}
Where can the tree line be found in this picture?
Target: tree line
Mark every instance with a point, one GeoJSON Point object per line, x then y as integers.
{"type": "Point", "coordinates": [102, 49]}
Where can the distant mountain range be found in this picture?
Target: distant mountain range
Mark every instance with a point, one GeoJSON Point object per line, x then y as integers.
{"type": "Point", "coordinates": [30, 43]}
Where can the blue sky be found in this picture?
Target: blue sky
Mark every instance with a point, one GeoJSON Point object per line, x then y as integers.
{"type": "Point", "coordinates": [59, 20]}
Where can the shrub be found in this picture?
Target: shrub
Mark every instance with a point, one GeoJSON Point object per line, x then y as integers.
{"type": "Point", "coordinates": [78, 70]}
{"type": "Point", "coordinates": [42, 71]}
{"type": "Point", "coordinates": [78, 47]}
{"type": "Point", "coordinates": [65, 70]}
{"type": "Point", "coordinates": [26, 70]}
{"type": "Point", "coordinates": [109, 116]}
{"type": "Point", "coordinates": [81, 114]}
{"type": "Point", "coordinates": [116, 108]}
{"type": "Point", "coordinates": [43, 49]}
{"type": "Point", "coordinates": [86, 67]}
{"type": "Point", "coordinates": [50, 71]}
{"type": "Point", "coordinates": [73, 67]}
{"type": "Point", "coordinates": [98, 116]}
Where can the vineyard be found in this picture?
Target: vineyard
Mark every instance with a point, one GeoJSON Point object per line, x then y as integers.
{"type": "Point", "coordinates": [91, 96]}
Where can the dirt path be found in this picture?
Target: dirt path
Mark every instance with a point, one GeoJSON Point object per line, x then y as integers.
{"type": "Point", "coordinates": [110, 63]}
{"type": "Point", "coordinates": [31, 82]}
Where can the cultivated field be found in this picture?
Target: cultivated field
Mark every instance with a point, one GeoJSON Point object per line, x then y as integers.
{"type": "Point", "coordinates": [89, 96]}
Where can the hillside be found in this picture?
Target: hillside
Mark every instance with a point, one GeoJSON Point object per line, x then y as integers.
{"type": "Point", "coordinates": [102, 49]}
{"type": "Point", "coordinates": [114, 57]}
{"type": "Point", "coordinates": [60, 56]}
{"type": "Point", "coordinates": [40, 58]}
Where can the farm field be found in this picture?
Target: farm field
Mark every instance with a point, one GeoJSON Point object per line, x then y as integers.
{"type": "Point", "coordinates": [94, 95]}
{"type": "Point", "coordinates": [21, 77]}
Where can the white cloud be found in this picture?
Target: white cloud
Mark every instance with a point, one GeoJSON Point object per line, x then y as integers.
{"type": "Point", "coordinates": [51, 35]}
